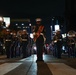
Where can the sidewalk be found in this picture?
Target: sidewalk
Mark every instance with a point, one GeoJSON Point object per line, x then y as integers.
{"type": "Point", "coordinates": [29, 66]}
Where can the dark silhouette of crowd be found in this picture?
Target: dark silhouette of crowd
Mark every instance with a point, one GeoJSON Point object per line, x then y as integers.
{"type": "Point", "coordinates": [19, 44]}
{"type": "Point", "coordinates": [14, 44]}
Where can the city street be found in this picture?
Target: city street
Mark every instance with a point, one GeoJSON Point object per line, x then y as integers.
{"type": "Point", "coordinates": [29, 66]}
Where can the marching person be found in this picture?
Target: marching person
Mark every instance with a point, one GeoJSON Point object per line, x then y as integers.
{"type": "Point", "coordinates": [24, 38]}
{"type": "Point", "coordinates": [1, 45]}
{"type": "Point", "coordinates": [8, 41]}
{"type": "Point", "coordinates": [39, 38]}
{"type": "Point", "coordinates": [57, 44]}
{"type": "Point", "coordinates": [71, 46]}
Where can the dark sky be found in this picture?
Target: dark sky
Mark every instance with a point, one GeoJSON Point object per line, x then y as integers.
{"type": "Point", "coordinates": [32, 7]}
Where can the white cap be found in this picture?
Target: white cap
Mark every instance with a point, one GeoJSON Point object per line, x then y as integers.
{"type": "Point", "coordinates": [7, 29]}
{"type": "Point", "coordinates": [38, 19]}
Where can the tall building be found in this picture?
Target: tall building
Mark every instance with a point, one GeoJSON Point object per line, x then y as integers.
{"type": "Point", "coordinates": [19, 24]}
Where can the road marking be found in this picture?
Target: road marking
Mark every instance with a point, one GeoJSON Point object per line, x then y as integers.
{"type": "Point", "coordinates": [61, 69]}
{"type": "Point", "coordinates": [6, 67]}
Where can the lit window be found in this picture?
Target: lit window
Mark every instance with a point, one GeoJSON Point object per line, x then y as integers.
{"type": "Point", "coordinates": [7, 21]}
{"type": "Point", "coordinates": [18, 27]}
{"type": "Point", "coordinates": [57, 27]}
{"type": "Point", "coordinates": [30, 24]}
{"type": "Point", "coordinates": [22, 23]}
{"type": "Point", "coordinates": [23, 27]}
{"type": "Point", "coordinates": [16, 24]}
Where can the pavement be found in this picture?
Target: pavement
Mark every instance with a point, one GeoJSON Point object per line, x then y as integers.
{"type": "Point", "coordinates": [29, 66]}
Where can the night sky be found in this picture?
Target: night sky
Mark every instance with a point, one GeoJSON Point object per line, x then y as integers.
{"type": "Point", "coordinates": [32, 7]}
